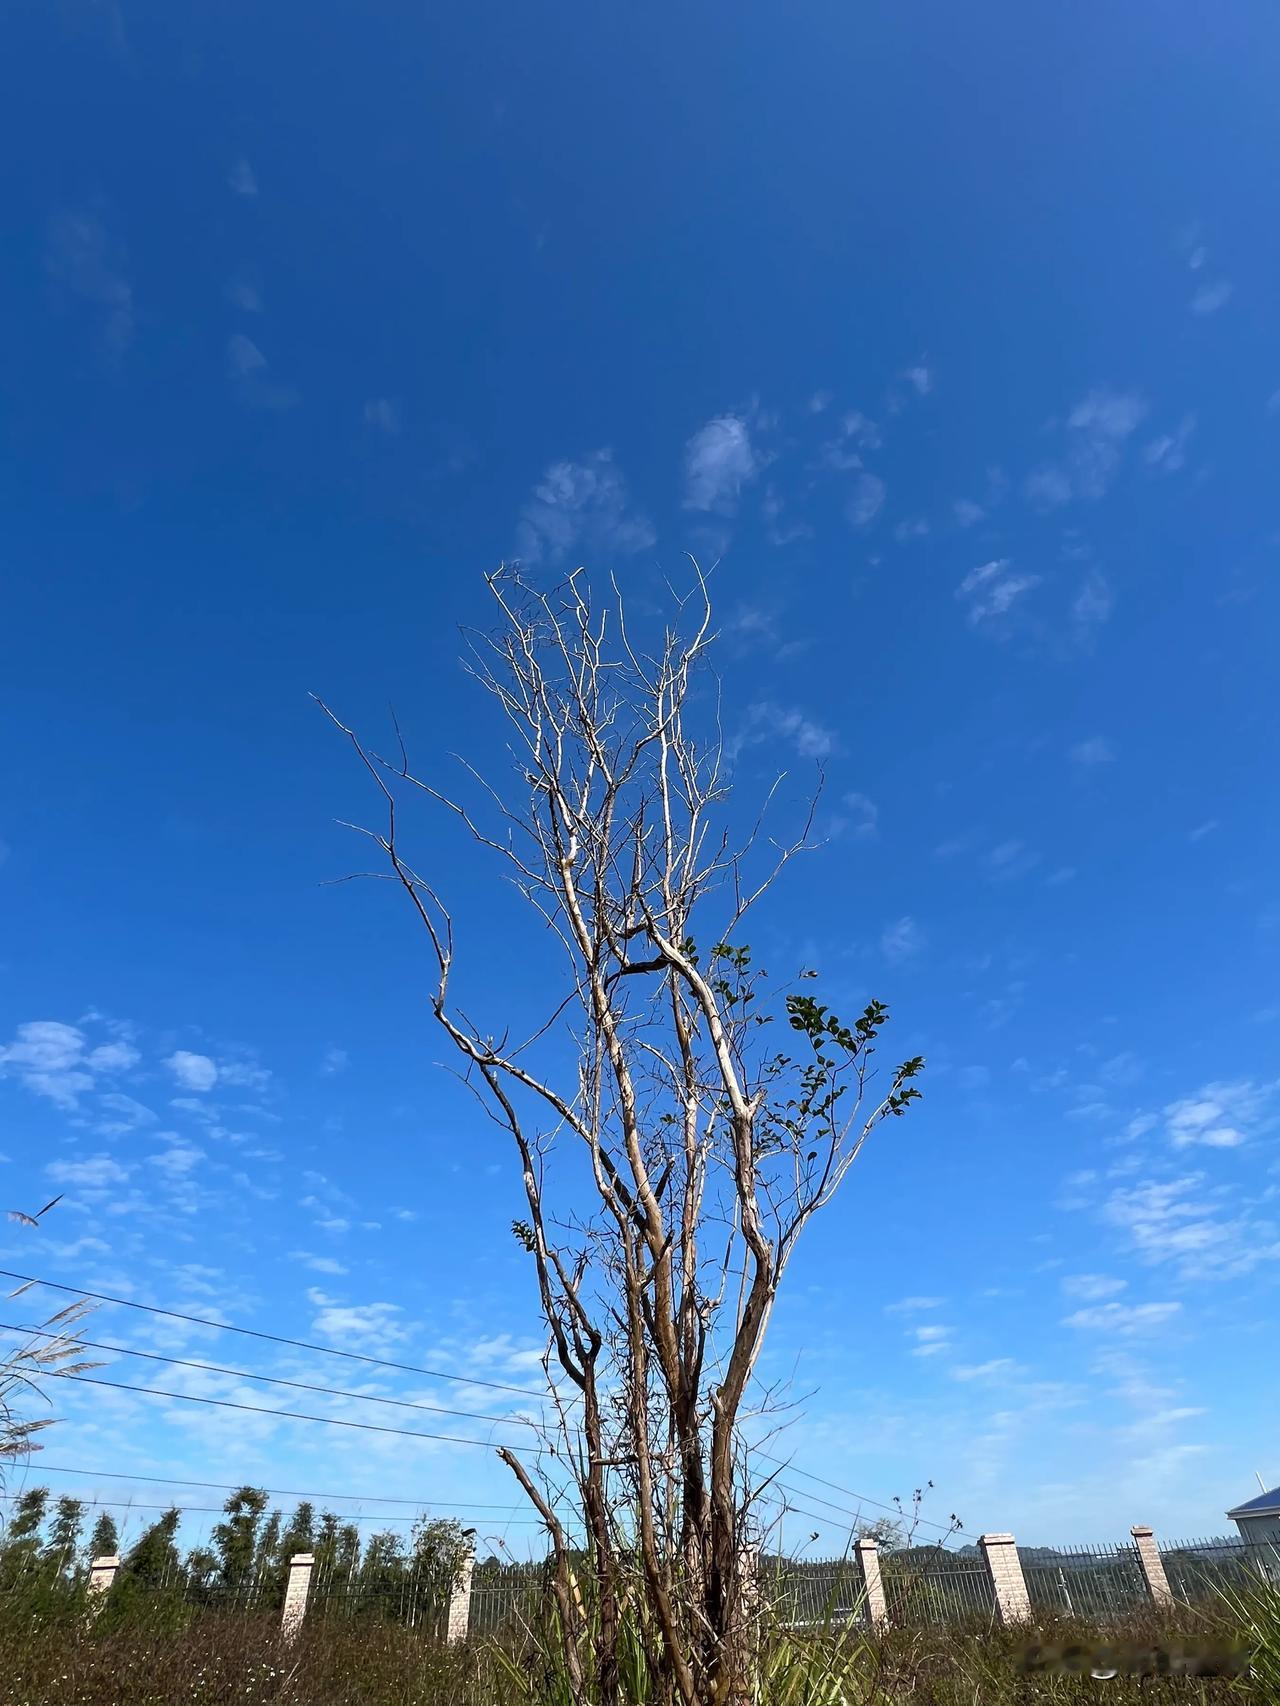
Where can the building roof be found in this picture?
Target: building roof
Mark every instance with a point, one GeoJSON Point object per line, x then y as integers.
{"type": "Point", "coordinates": [1266, 1504]}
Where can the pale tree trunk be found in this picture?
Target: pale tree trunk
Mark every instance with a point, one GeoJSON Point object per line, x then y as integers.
{"type": "Point", "coordinates": [710, 1139]}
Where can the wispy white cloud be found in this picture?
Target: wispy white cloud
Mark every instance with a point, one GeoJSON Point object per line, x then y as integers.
{"type": "Point", "coordinates": [383, 413]}
{"type": "Point", "coordinates": [1092, 605]}
{"type": "Point", "coordinates": [901, 940]}
{"type": "Point", "coordinates": [1168, 452]}
{"type": "Point", "coordinates": [856, 433]}
{"type": "Point", "coordinates": [930, 1340]}
{"type": "Point", "coordinates": [910, 1305]}
{"type": "Point", "coordinates": [580, 507]}
{"type": "Point", "coordinates": [1089, 754]}
{"type": "Point", "coordinates": [915, 527]}
{"type": "Point", "coordinates": [967, 513]}
{"type": "Point", "coordinates": [245, 292]}
{"type": "Point", "coordinates": [769, 721]}
{"type": "Point", "coordinates": [335, 1060]}
{"type": "Point", "coordinates": [248, 369]}
{"type": "Point", "coordinates": [193, 1071]}
{"type": "Point", "coordinates": [1092, 1288]}
{"type": "Point", "coordinates": [995, 1368]}
{"type": "Point", "coordinates": [1185, 1222]}
{"type": "Point", "coordinates": [1125, 1318]}
{"type": "Point", "coordinates": [318, 1264]}
{"type": "Point", "coordinates": [177, 1160]}
{"type": "Point", "coordinates": [1212, 296]}
{"type": "Point", "coordinates": [54, 1060]}
{"type": "Point", "coordinates": [241, 179]}
{"type": "Point", "coordinates": [93, 1173]}
{"type": "Point", "coordinates": [85, 259]}
{"type": "Point", "coordinates": [371, 1327]}
{"type": "Point", "coordinates": [719, 460]}
{"type": "Point", "coordinates": [990, 591]}
{"type": "Point", "coordinates": [865, 500]}
{"type": "Point", "coordinates": [1010, 859]}
{"type": "Point", "coordinates": [1220, 1116]}
{"type": "Point", "coordinates": [861, 816]}
{"type": "Point", "coordinates": [920, 379]}
{"type": "Point", "coordinates": [1095, 436]}
{"type": "Point", "coordinates": [243, 356]}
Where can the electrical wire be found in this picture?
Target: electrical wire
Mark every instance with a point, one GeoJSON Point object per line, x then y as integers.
{"type": "Point", "coordinates": [407, 1368]}
{"type": "Point", "coordinates": [273, 1338]}
{"type": "Point", "coordinates": [276, 1492]}
{"type": "Point", "coordinates": [284, 1415]}
{"type": "Point", "coordinates": [270, 1379]}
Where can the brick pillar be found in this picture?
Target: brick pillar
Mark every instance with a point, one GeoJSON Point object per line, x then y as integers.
{"type": "Point", "coordinates": [459, 1618]}
{"type": "Point", "coordinates": [1152, 1565]}
{"type": "Point", "coordinates": [867, 1554]}
{"type": "Point", "coordinates": [296, 1590]}
{"type": "Point", "coordinates": [1000, 1553]}
{"type": "Point", "coordinates": [102, 1572]}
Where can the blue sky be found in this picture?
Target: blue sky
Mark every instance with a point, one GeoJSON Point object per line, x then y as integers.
{"type": "Point", "coordinates": [950, 336]}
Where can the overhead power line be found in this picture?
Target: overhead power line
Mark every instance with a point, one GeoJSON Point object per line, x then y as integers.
{"type": "Point", "coordinates": [862, 1499]}
{"type": "Point", "coordinates": [274, 1338]}
{"type": "Point", "coordinates": [408, 1368]}
{"type": "Point", "coordinates": [276, 1492]}
{"type": "Point", "coordinates": [271, 1379]}
{"type": "Point", "coordinates": [284, 1415]}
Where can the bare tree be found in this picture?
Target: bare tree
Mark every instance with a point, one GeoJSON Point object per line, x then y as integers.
{"type": "Point", "coordinates": [709, 1140]}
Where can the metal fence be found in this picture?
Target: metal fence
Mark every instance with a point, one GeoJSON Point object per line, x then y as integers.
{"type": "Point", "coordinates": [1099, 1582]}
{"type": "Point", "coordinates": [508, 1598]}
{"type": "Point", "coordinates": [827, 1592]}
{"type": "Point", "coordinates": [415, 1599]}
{"type": "Point", "coordinates": [1197, 1569]}
{"type": "Point", "coordinates": [912, 1587]}
{"type": "Point", "coordinates": [949, 1587]}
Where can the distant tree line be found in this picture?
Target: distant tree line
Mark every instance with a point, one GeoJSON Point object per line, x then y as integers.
{"type": "Point", "coordinates": [51, 1544]}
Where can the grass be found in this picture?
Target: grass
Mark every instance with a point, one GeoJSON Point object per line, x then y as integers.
{"type": "Point", "coordinates": [161, 1652]}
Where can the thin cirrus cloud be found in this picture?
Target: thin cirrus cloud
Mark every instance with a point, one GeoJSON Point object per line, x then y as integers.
{"type": "Point", "coordinates": [930, 1340]}
{"type": "Point", "coordinates": [1189, 1224]}
{"type": "Point", "coordinates": [1089, 754]}
{"type": "Point", "coordinates": [1167, 453]}
{"type": "Point", "coordinates": [767, 721]}
{"type": "Point", "coordinates": [1092, 1288]}
{"type": "Point", "coordinates": [1220, 1116]}
{"type": "Point", "coordinates": [1125, 1318]}
{"type": "Point", "coordinates": [719, 461]}
{"type": "Point", "coordinates": [193, 1071]}
{"type": "Point", "coordinates": [1095, 438]}
{"type": "Point", "coordinates": [865, 501]}
{"type": "Point", "coordinates": [86, 260]}
{"type": "Point", "coordinates": [1212, 296]}
{"type": "Point", "coordinates": [248, 369]}
{"type": "Point", "coordinates": [856, 433]}
{"type": "Point", "coordinates": [582, 507]}
{"type": "Point", "coordinates": [384, 414]}
{"type": "Point", "coordinates": [901, 941]}
{"type": "Point", "coordinates": [990, 592]}
{"type": "Point", "coordinates": [56, 1061]}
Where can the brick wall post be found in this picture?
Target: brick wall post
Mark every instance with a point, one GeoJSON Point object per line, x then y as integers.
{"type": "Point", "coordinates": [102, 1572]}
{"type": "Point", "coordinates": [867, 1554]}
{"type": "Point", "coordinates": [459, 1619]}
{"type": "Point", "coordinates": [1152, 1565]}
{"type": "Point", "coordinates": [1004, 1567]}
{"type": "Point", "coordinates": [296, 1591]}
